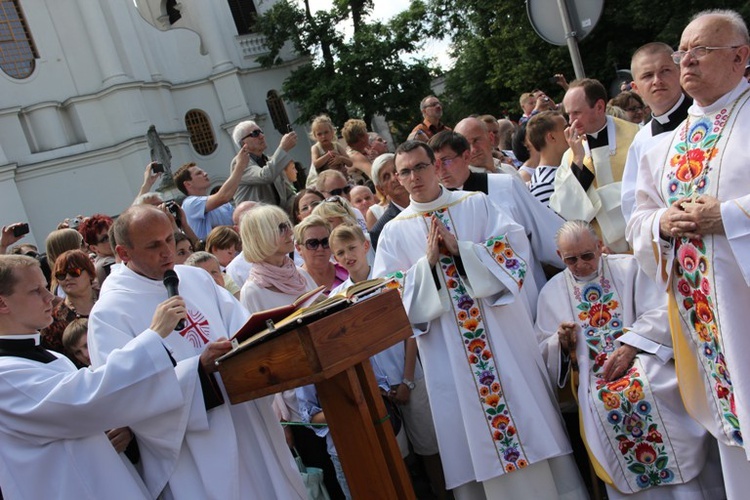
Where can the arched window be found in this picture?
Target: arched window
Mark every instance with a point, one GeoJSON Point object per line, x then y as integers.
{"type": "Point", "coordinates": [244, 14]}
{"type": "Point", "coordinates": [201, 134]}
{"type": "Point", "coordinates": [17, 50]}
{"type": "Point", "coordinates": [277, 110]}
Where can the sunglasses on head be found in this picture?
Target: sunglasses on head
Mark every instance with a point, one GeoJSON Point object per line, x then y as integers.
{"type": "Point", "coordinates": [339, 191]}
{"type": "Point", "coordinates": [586, 257]}
{"type": "Point", "coordinates": [313, 244]}
{"type": "Point", "coordinates": [255, 133]}
{"type": "Point", "coordinates": [72, 271]}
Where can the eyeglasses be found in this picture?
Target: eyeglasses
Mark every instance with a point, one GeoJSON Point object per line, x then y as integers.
{"type": "Point", "coordinates": [432, 105]}
{"type": "Point", "coordinates": [633, 109]}
{"type": "Point", "coordinates": [405, 173]}
{"type": "Point", "coordinates": [313, 244]}
{"type": "Point", "coordinates": [103, 239]}
{"type": "Point", "coordinates": [339, 191]}
{"type": "Point", "coordinates": [255, 133]}
{"type": "Point", "coordinates": [309, 208]}
{"type": "Point", "coordinates": [698, 52]}
{"type": "Point", "coordinates": [285, 228]}
{"type": "Point", "coordinates": [74, 272]}
{"type": "Point", "coordinates": [446, 162]}
{"type": "Point", "coordinates": [586, 257]}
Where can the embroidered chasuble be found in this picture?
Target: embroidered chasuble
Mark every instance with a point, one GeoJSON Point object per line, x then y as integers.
{"type": "Point", "coordinates": [708, 278]}
{"type": "Point", "coordinates": [493, 409]}
{"type": "Point", "coordinates": [637, 432]}
{"type": "Point", "coordinates": [600, 202]}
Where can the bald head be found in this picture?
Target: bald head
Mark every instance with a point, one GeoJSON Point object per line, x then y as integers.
{"type": "Point", "coordinates": [133, 216]}
{"type": "Point", "coordinates": [475, 131]}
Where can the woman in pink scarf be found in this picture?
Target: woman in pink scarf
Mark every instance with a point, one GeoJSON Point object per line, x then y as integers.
{"type": "Point", "coordinates": [273, 281]}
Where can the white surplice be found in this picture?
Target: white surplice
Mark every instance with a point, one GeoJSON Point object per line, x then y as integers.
{"type": "Point", "coordinates": [54, 418]}
{"type": "Point", "coordinates": [600, 203]}
{"type": "Point", "coordinates": [231, 451]}
{"type": "Point", "coordinates": [708, 279]}
{"type": "Point", "coordinates": [641, 440]}
{"type": "Point", "coordinates": [493, 408]}
{"type": "Point", "coordinates": [541, 223]}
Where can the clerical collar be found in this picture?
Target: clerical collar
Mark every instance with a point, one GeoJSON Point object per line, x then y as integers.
{"type": "Point", "coordinates": [429, 206]}
{"type": "Point", "coordinates": [595, 135]}
{"type": "Point", "coordinates": [36, 337]}
{"type": "Point", "coordinates": [664, 118]}
{"type": "Point", "coordinates": [722, 102]}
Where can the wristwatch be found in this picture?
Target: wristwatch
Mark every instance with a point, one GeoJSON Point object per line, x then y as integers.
{"type": "Point", "coordinates": [409, 384]}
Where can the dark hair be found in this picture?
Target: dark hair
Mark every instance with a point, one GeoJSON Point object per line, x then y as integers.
{"type": "Point", "coordinates": [592, 89]}
{"type": "Point", "coordinates": [295, 203]}
{"type": "Point", "coordinates": [539, 126]}
{"type": "Point", "coordinates": [91, 226]}
{"type": "Point", "coordinates": [409, 146]}
{"type": "Point", "coordinates": [622, 99]}
{"type": "Point", "coordinates": [520, 151]}
{"type": "Point", "coordinates": [449, 139]}
{"type": "Point", "coordinates": [183, 175]}
{"type": "Point", "coordinates": [74, 258]}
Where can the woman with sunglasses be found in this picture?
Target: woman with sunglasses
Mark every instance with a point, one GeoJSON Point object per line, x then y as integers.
{"type": "Point", "coordinates": [311, 241]}
{"type": "Point", "coordinates": [74, 273]}
{"type": "Point", "coordinates": [273, 281]}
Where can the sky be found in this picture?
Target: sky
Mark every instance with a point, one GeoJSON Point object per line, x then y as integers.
{"type": "Point", "coordinates": [386, 9]}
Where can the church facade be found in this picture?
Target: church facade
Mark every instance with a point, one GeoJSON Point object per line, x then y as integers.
{"type": "Point", "coordinates": [81, 82]}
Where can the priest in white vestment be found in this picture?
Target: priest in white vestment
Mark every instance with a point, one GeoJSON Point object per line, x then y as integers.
{"type": "Point", "coordinates": [54, 416]}
{"type": "Point", "coordinates": [462, 266]}
{"type": "Point", "coordinates": [610, 318]}
{"type": "Point", "coordinates": [507, 192]}
{"type": "Point", "coordinates": [227, 451]}
{"type": "Point", "coordinates": [588, 181]}
{"type": "Point", "coordinates": [693, 209]}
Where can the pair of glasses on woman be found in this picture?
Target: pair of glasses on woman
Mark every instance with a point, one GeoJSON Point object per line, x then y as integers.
{"type": "Point", "coordinates": [313, 244]}
{"type": "Point", "coordinates": [71, 271]}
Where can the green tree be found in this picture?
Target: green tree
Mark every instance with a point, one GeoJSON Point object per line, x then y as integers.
{"type": "Point", "coordinates": [360, 76]}
{"type": "Point", "coordinates": [498, 55]}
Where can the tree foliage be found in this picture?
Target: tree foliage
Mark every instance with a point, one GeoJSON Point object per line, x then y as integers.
{"type": "Point", "coordinates": [498, 55]}
{"type": "Point", "coordinates": [357, 76]}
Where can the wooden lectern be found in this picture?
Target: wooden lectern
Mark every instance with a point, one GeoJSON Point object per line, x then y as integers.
{"type": "Point", "coordinates": [333, 353]}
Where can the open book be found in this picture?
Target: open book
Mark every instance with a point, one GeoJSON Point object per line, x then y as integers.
{"type": "Point", "coordinates": [307, 307]}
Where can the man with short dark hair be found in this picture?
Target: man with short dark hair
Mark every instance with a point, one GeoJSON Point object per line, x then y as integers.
{"type": "Point", "coordinates": [461, 265]}
{"type": "Point", "coordinates": [432, 112]}
{"type": "Point", "coordinates": [54, 416]}
{"type": "Point", "coordinates": [241, 444]}
{"type": "Point", "coordinates": [690, 233]}
{"type": "Point", "coordinates": [507, 192]}
{"type": "Point", "coordinates": [588, 182]}
{"type": "Point", "coordinates": [203, 211]}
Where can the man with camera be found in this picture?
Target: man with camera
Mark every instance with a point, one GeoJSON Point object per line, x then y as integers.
{"type": "Point", "coordinates": [204, 211]}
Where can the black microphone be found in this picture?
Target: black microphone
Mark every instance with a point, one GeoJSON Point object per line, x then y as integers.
{"type": "Point", "coordinates": [172, 283]}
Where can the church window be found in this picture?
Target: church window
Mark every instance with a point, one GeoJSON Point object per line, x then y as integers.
{"type": "Point", "coordinates": [17, 50]}
{"type": "Point", "coordinates": [201, 134]}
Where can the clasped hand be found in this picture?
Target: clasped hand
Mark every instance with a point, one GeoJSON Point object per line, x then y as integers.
{"type": "Point", "coordinates": [439, 240]}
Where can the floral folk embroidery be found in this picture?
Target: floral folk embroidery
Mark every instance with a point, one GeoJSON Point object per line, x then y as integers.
{"type": "Point", "coordinates": [626, 407]}
{"type": "Point", "coordinates": [689, 177]}
{"type": "Point", "coordinates": [479, 352]}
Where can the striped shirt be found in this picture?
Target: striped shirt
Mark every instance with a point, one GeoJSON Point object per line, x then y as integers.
{"type": "Point", "coordinates": [542, 183]}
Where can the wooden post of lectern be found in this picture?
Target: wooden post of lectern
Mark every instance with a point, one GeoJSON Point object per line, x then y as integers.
{"type": "Point", "coordinates": [333, 353]}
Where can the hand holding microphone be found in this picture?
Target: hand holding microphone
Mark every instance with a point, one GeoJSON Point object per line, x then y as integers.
{"type": "Point", "coordinates": [172, 283]}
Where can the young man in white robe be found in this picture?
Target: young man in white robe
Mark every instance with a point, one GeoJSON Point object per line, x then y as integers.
{"type": "Point", "coordinates": [214, 449]}
{"type": "Point", "coordinates": [607, 319]}
{"type": "Point", "coordinates": [462, 265]}
{"type": "Point", "coordinates": [54, 416]}
{"type": "Point", "coordinates": [507, 192]}
{"type": "Point", "coordinates": [693, 214]}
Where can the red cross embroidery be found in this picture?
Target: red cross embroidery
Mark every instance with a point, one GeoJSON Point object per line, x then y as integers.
{"type": "Point", "coordinates": [197, 330]}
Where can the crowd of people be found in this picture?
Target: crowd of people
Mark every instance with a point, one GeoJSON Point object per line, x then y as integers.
{"type": "Point", "coordinates": [574, 284]}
